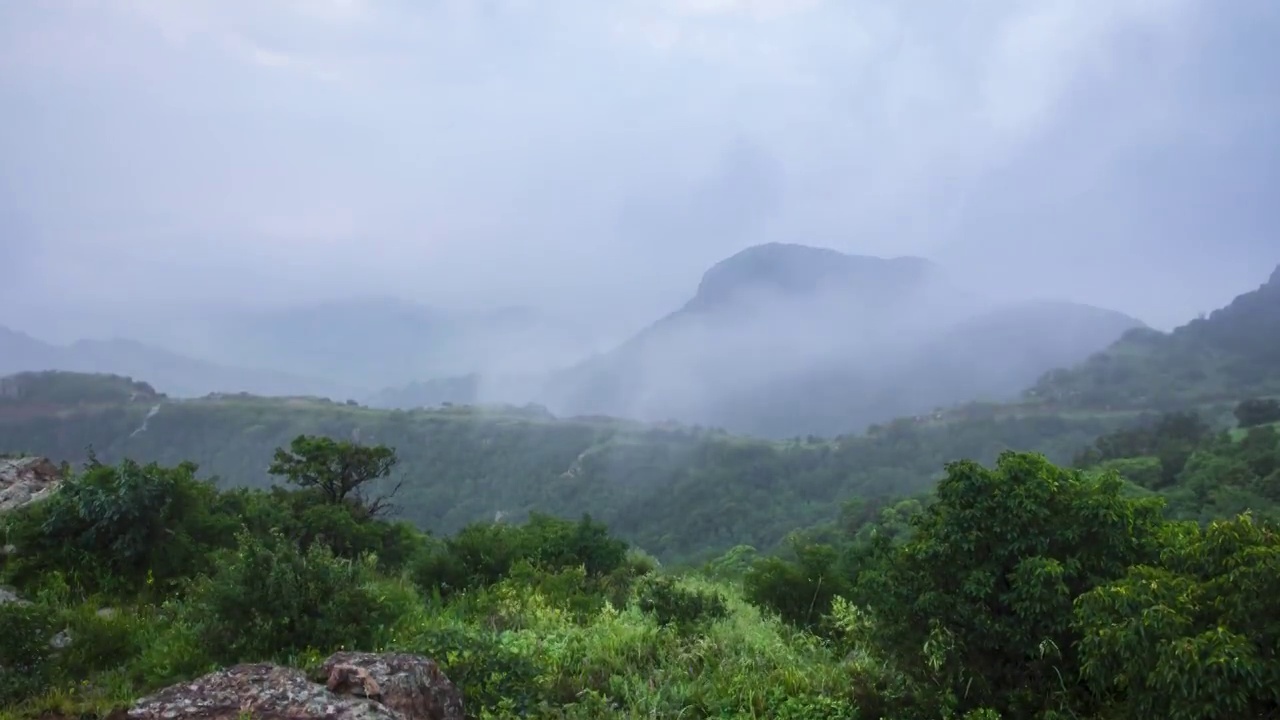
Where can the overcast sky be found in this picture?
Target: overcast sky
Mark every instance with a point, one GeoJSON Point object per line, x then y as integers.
{"type": "Point", "coordinates": [601, 154]}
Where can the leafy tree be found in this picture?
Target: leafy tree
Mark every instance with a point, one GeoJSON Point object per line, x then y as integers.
{"type": "Point", "coordinates": [979, 600]}
{"type": "Point", "coordinates": [1257, 411]}
{"type": "Point", "coordinates": [337, 469]}
{"type": "Point", "coordinates": [1194, 637]}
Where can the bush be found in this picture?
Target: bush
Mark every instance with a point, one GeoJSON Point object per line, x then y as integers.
{"type": "Point", "coordinates": [267, 598]}
{"type": "Point", "coordinates": [686, 609]}
{"type": "Point", "coordinates": [490, 674]}
{"type": "Point", "coordinates": [119, 528]}
{"type": "Point", "coordinates": [483, 554]}
{"type": "Point", "coordinates": [800, 591]}
{"type": "Point", "coordinates": [26, 666]}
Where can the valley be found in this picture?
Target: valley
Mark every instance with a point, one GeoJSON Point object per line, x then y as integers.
{"type": "Point", "coordinates": [682, 492]}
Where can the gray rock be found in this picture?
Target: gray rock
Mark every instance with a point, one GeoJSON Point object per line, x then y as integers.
{"type": "Point", "coordinates": [411, 685]}
{"type": "Point", "coordinates": [257, 691]}
{"type": "Point", "coordinates": [357, 686]}
{"type": "Point", "coordinates": [26, 480]}
{"type": "Point", "coordinates": [61, 641]}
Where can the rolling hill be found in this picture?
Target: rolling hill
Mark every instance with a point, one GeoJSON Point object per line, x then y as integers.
{"type": "Point", "coordinates": [170, 372]}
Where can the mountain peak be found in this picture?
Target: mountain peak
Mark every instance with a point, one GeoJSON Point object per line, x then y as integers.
{"type": "Point", "coordinates": [796, 270]}
{"type": "Point", "coordinates": [1274, 280]}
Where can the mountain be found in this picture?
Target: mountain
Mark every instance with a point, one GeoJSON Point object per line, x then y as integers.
{"type": "Point", "coordinates": [1234, 352]}
{"type": "Point", "coordinates": [170, 372]}
{"type": "Point", "coordinates": [782, 340]}
{"type": "Point", "coordinates": [680, 492]}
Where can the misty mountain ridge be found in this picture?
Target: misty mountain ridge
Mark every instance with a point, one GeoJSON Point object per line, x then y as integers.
{"type": "Point", "coordinates": [573, 464]}
{"type": "Point", "coordinates": [785, 339]}
{"type": "Point", "coordinates": [1230, 353]}
{"type": "Point", "coordinates": [785, 270]}
{"type": "Point", "coordinates": [171, 373]}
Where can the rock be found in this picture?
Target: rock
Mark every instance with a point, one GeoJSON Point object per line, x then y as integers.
{"type": "Point", "coordinates": [9, 596]}
{"type": "Point", "coordinates": [411, 685]}
{"type": "Point", "coordinates": [357, 686]}
{"type": "Point", "coordinates": [61, 641]}
{"type": "Point", "coordinates": [258, 691]}
{"type": "Point", "coordinates": [26, 480]}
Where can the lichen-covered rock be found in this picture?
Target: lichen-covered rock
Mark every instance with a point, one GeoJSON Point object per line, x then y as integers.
{"type": "Point", "coordinates": [411, 685]}
{"type": "Point", "coordinates": [352, 686]}
{"type": "Point", "coordinates": [260, 691]}
{"type": "Point", "coordinates": [25, 480]}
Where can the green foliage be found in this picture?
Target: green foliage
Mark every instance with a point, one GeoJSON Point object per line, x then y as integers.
{"type": "Point", "coordinates": [117, 526]}
{"type": "Point", "coordinates": [1257, 411]}
{"type": "Point", "coordinates": [26, 665]}
{"type": "Point", "coordinates": [801, 588]}
{"type": "Point", "coordinates": [59, 387]}
{"type": "Point", "coordinates": [483, 553]}
{"type": "Point", "coordinates": [338, 470]}
{"type": "Point", "coordinates": [1231, 354]}
{"type": "Point", "coordinates": [1194, 637]}
{"type": "Point", "coordinates": [1204, 475]}
{"type": "Point", "coordinates": [686, 495]}
{"type": "Point", "coordinates": [979, 599]}
{"type": "Point", "coordinates": [268, 597]}
{"type": "Point", "coordinates": [686, 609]}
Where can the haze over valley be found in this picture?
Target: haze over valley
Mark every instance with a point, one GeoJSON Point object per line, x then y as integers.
{"type": "Point", "coordinates": [696, 359]}
{"type": "Point", "coordinates": [300, 199]}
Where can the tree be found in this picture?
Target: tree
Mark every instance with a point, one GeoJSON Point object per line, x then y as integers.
{"type": "Point", "coordinates": [337, 469]}
{"type": "Point", "coordinates": [985, 585]}
{"type": "Point", "coordinates": [1257, 411]}
{"type": "Point", "coordinates": [1195, 636]}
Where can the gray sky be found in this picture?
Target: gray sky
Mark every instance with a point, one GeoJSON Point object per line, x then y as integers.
{"type": "Point", "coordinates": [600, 154]}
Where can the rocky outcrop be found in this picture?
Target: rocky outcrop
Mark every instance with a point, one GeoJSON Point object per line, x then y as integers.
{"type": "Point", "coordinates": [25, 480]}
{"type": "Point", "coordinates": [349, 686]}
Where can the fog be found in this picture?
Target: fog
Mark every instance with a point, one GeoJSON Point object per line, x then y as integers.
{"type": "Point", "coordinates": [193, 174]}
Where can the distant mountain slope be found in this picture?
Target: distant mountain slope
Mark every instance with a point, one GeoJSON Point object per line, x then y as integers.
{"type": "Point", "coordinates": [678, 492]}
{"type": "Point", "coordinates": [1232, 353]}
{"type": "Point", "coordinates": [171, 373]}
{"type": "Point", "coordinates": [783, 340]}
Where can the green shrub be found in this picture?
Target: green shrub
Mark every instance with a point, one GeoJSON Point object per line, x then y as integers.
{"type": "Point", "coordinates": [117, 529]}
{"type": "Point", "coordinates": [101, 640]}
{"type": "Point", "coordinates": [686, 609]}
{"type": "Point", "coordinates": [491, 675]}
{"type": "Point", "coordinates": [26, 658]}
{"type": "Point", "coordinates": [267, 598]}
{"type": "Point", "coordinates": [801, 590]}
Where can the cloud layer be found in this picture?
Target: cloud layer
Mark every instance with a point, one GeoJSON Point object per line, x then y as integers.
{"type": "Point", "coordinates": [596, 157]}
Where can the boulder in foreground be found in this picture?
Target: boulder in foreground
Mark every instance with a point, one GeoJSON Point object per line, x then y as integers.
{"type": "Point", "coordinates": [354, 686]}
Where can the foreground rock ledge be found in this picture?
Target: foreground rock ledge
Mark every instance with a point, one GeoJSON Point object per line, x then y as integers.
{"type": "Point", "coordinates": [351, 686]}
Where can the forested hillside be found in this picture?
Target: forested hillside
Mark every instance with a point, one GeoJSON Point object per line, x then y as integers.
{"type": "Point", "coordinates": [677, 492]}
{"type": "Point", "coordinates": [1233, 353]}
